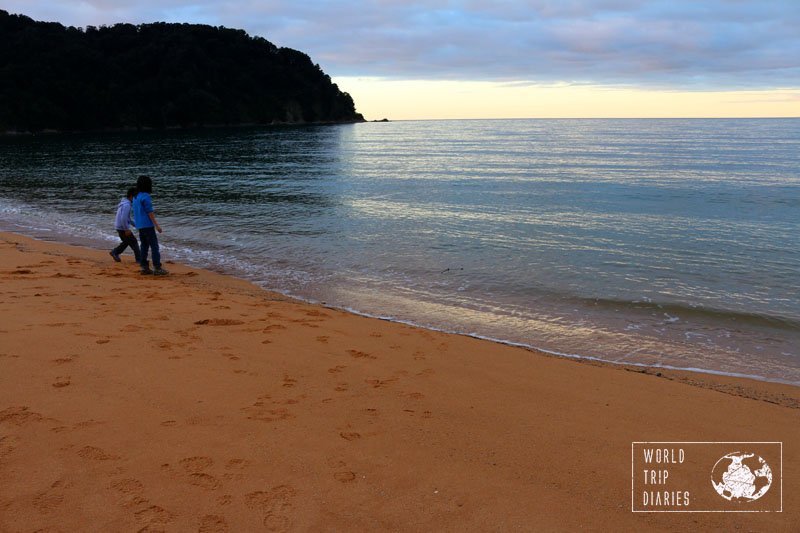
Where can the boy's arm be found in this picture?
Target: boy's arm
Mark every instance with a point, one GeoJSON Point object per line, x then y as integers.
{"type": "Point", "coordinates": [130, 222]}
{"type": "Point", "coordinates": [124, 218]}
{"type": "Point", "coordinates": [155, 222]}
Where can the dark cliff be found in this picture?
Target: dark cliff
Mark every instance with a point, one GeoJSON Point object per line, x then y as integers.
{"type": "Point", "coordinates": [155, 76]}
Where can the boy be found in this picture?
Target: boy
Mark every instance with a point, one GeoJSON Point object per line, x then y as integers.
{"type": "Point", "coordinates": [123, 226]}
{"type": "Point", "coordinates": [147, 224]}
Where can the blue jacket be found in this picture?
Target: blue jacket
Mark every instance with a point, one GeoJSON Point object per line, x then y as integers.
{"type": "Point", "coordinates": [142, 207]}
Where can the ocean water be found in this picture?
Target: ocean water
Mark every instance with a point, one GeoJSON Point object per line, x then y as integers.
{"type": "Point", "coordinates": [670, 243]}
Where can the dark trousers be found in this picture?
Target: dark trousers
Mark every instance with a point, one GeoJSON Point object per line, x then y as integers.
{"type": "Point", "coordinates": [127, 240]}
{"type": "Point", "coordinates": [149, 242]}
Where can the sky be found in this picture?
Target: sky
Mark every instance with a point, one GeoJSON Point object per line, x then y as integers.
{"type": "Point", "coordinates": [431, 59]}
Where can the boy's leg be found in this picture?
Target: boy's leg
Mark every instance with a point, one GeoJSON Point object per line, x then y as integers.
{"type": "Point", "coordinates": [121, 246]}
{"type": "Point", "coordinates": [143, 236]}
{"type": "Point", "coordinates": [128, 239]}
{"type": "Point", "coordinates": [156, 251]}
{"type": "Point", "coordinates": [134, 244]}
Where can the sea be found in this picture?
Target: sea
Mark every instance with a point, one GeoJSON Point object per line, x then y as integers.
{"type": "Point", "coordinates": [669, 243]}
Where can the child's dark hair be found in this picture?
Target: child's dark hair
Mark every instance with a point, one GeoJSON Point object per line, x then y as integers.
{"type": "Point", "coordinates": [132, 192]}
{"type": "Point", "coordinates": [144, 184]}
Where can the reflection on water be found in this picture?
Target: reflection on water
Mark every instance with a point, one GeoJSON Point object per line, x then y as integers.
{"type": "Point", "coordinates": [654, 241]}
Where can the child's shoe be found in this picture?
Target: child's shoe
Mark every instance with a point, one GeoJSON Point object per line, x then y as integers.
{"type": "Point", "coordinates": [160, 272]}
{"type": "Point", "coordinates": [115, 256]}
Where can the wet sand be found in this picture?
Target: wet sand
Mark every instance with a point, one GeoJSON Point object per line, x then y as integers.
{"type": "Point", "coordinates": [198, 402]}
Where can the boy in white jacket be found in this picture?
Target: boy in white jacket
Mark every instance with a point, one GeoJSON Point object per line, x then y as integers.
{"type": "Point", "coordinates": [123, 226]}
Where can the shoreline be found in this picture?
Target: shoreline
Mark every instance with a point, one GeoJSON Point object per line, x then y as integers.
{"type": "Point", "coordinates": [194, 127]}
{"type": "Point", "coordinates": [628, 366]}
{"type": "Point", "coordinates": [69, 239]}
{"type": "Point", "coordinates": [249, 409]}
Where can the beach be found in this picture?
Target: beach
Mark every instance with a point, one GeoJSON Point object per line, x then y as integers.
{"type": "Point", "coordinates": [199, 401]}
{"type": "Point", "coordinates": [593, 238]}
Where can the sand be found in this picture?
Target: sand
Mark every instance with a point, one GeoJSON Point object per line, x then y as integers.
{"type": "Point", "coordinates": [200, 402]}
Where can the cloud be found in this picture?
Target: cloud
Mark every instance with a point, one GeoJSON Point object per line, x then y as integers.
{"type": "Point", "coordinates": [688, 44]}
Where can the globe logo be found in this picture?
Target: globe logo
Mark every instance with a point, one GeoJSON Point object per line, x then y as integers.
{"type": "Point", "coordinates": [741, 477]}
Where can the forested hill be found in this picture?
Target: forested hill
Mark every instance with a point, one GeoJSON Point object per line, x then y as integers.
{"type": "Point", "coordinates": [155, 76]}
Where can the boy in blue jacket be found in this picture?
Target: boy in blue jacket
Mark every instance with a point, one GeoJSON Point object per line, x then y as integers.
{"type": "Point", "coordinates": [123, 226]}
{"type": "Point", "coordinates": [146, 222]}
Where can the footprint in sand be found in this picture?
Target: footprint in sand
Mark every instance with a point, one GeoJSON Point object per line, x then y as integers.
{"type": "Point", "coordinates": [235, 468]}
{"type": "Point", "coordinates": [264, 414]}
{"type": "Point", "coordinates": [350, 435]}
{"type": "Point", "coordinates": [61, 381]}
{"type": "Point", "coordinates": [323, 339]}
{"type": "Point", "coordinates": [360, 355]}
{"type": "Point", "coordinates": [87, 424]}
{"type": "Point", "coordinates": [48, 500]}
{"type": "Point", "coordinates": [206, 481]}
{"type": "Point", "coordinates": [165, 344]}
{"type": "Point", "coordinates": [237, 464]}
{"type": "Point", "coordinates": [194, 467]}
{"type": "Point", "coordinates": [7, 445]}
{"type": "Point", "coordinates": [130, 492]}
{"type": "Point", "coordinates": [196, 464]}
{"type": "Point", "coordinates": [212, 523]}
{"type": "Point", "coordinates": [219, 322]}
{"type": "Point", "coordinates": [289, 382]}
{"type": "Point", "coordinates": [380, 383]}
{"type": "Point", "coordinates": [96, 454]}
{"type": "Point", "coordinates": [289, 401]}
{"type": "Point", "coordinates": [345, 476]}
{"type": "Point", "coordinates": [128, 486]}
{"type": "Point", "coordinates": [276, 504]}
{"type": "Point", "coordinates": [336, 369]}
{"type": "Point", "coordinates": [154, 516]}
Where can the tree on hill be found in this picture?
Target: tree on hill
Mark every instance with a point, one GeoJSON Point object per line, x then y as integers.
{"type": "Point", "coordinates": [155, 76]}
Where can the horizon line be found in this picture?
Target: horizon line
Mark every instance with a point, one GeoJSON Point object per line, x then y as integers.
{"type": "Point", "coordinates": [588, 118]}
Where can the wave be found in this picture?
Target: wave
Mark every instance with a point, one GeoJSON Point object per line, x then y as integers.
{"type": "Point", "coordinates": [694, 311]}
